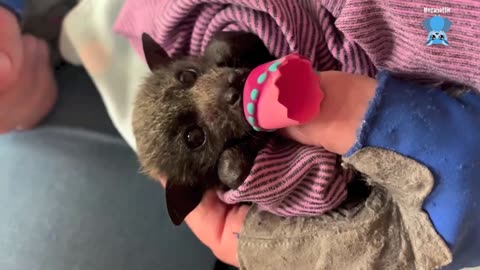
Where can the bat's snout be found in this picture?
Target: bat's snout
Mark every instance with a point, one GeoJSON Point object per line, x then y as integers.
{"type": "Point", "coordinates": [235, 79]}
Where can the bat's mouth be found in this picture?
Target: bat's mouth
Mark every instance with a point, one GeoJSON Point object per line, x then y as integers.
{"type": "Point", "coordinates": [237, 141]}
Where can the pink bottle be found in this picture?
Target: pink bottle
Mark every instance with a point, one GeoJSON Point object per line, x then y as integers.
{"type": "Point", "coordinates": [282, 93]}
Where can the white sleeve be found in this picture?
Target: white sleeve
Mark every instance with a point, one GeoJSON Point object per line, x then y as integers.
{"type": "Point", "coordinates": [88, 39]}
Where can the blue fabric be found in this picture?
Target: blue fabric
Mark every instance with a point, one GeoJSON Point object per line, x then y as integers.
{"type": "Point", "coordinates": [16, 6]}
{"type": "Point", "coordinates": [72, 197]}
{"type": "Point", "coordinates": [443, 133]}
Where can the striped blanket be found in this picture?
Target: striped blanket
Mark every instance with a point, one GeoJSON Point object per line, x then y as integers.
{"type": "Point", "coordinates": [289, 179]}
{"type": "Point", "coordinates": [354, 36]}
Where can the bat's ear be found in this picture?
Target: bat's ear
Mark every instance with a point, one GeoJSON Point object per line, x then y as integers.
{"type": "Point", "coordinates": [155, 55]}
{"type": "Point", "coordinates": [426, 24]}
{"type": "Point", "coordinates": [181, 200]}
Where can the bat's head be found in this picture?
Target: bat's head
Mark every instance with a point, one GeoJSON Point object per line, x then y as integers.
{"type": "Point", "coordinates": [187, 118]}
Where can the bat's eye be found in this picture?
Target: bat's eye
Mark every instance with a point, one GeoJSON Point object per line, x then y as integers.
{"type": "Point", "coordinates": [432, 36]}
{"type": "Point", "coordinates": [195, 137]}
{"type": "Point", "coordinates": [187, 76]}
{"type": "Point", "coordinates": [441, 37]}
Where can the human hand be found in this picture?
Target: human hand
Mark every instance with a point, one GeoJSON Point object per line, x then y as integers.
{"type": "Point", "coordinates": [27, 87]}
{"type": "Point", "coordinates": [342, 110]}
{"type": "Point", "coordinates": [419, 122]}
{"type": "Point", "coordinates": [217, 225]}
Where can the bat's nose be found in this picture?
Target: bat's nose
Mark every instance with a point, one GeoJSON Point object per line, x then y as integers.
{"type": "Point", "coordinates": [231, 96]}
{"type": "Point", "coordinates": [237, 78]}
{"type": "Point", "coordinates": [236, 81]}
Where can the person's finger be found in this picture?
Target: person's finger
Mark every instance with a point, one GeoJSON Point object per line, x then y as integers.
{"type": "Point", "coordinates": [218, 226]}
{"type": "Point", "coordinates": [37, 56]}
{"type": "Point", "coordinates": [10, 48]}
{"type": "Point", "coordinates": [304, 134]}
{"type": "Point", "coordinates": [30, 62]}
{"type": "Point", "coordinates": [227, 251]}
{"type": "Point", "coordinates": [25, 94]}
{"type": "Point", "coordinates": [341, 113]}
{"type": "Point", "coordinates": [33, 94]}
{"type": "Point", "coordinates": [14, 101]}
{"type": "Point", "coordinates": [210, 210]}
{"type": "Point", "coordinates": [43, 99]}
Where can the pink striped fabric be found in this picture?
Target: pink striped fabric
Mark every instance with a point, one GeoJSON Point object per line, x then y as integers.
{"type": "Point", "coordinates": [186, 26]}
{"type": "Point", "coordinates": [312, 185]}
{"type": "Point", "coordinates": [356, 36]}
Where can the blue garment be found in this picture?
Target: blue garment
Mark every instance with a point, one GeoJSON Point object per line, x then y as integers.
{"type": "Point", "coordinates": [442, 133]}
{"type": "Point", "coordinates": [16, 6]}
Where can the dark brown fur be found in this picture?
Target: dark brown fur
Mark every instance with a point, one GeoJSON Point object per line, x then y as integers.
{"type": "Point", "coordinates": [166, 109]}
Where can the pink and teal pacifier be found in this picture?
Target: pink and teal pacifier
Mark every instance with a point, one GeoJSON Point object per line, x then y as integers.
{"type": "Point", "coordinates": [282, 93]}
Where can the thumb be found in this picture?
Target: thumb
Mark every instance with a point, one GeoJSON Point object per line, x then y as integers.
{"type": "Point", "coordinates": [216, 224]}
{"type": "Point", "coordinates": [10, 48]}
{"type": "Point", "coordinates": [347, 97]}
{"type": "Point", "coordinates": [305, 134]}
{"type": "Point", "coordinates": [337, 135]}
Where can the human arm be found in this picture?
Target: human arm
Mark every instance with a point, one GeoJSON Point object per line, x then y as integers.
{"type": "Point", "coordinates": [348, 99]}
{"type": "Point", "coordinates": [427, 125]}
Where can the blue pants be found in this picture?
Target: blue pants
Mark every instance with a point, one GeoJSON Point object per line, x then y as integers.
{"type": "Point", "coordinates": [71, 196]}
